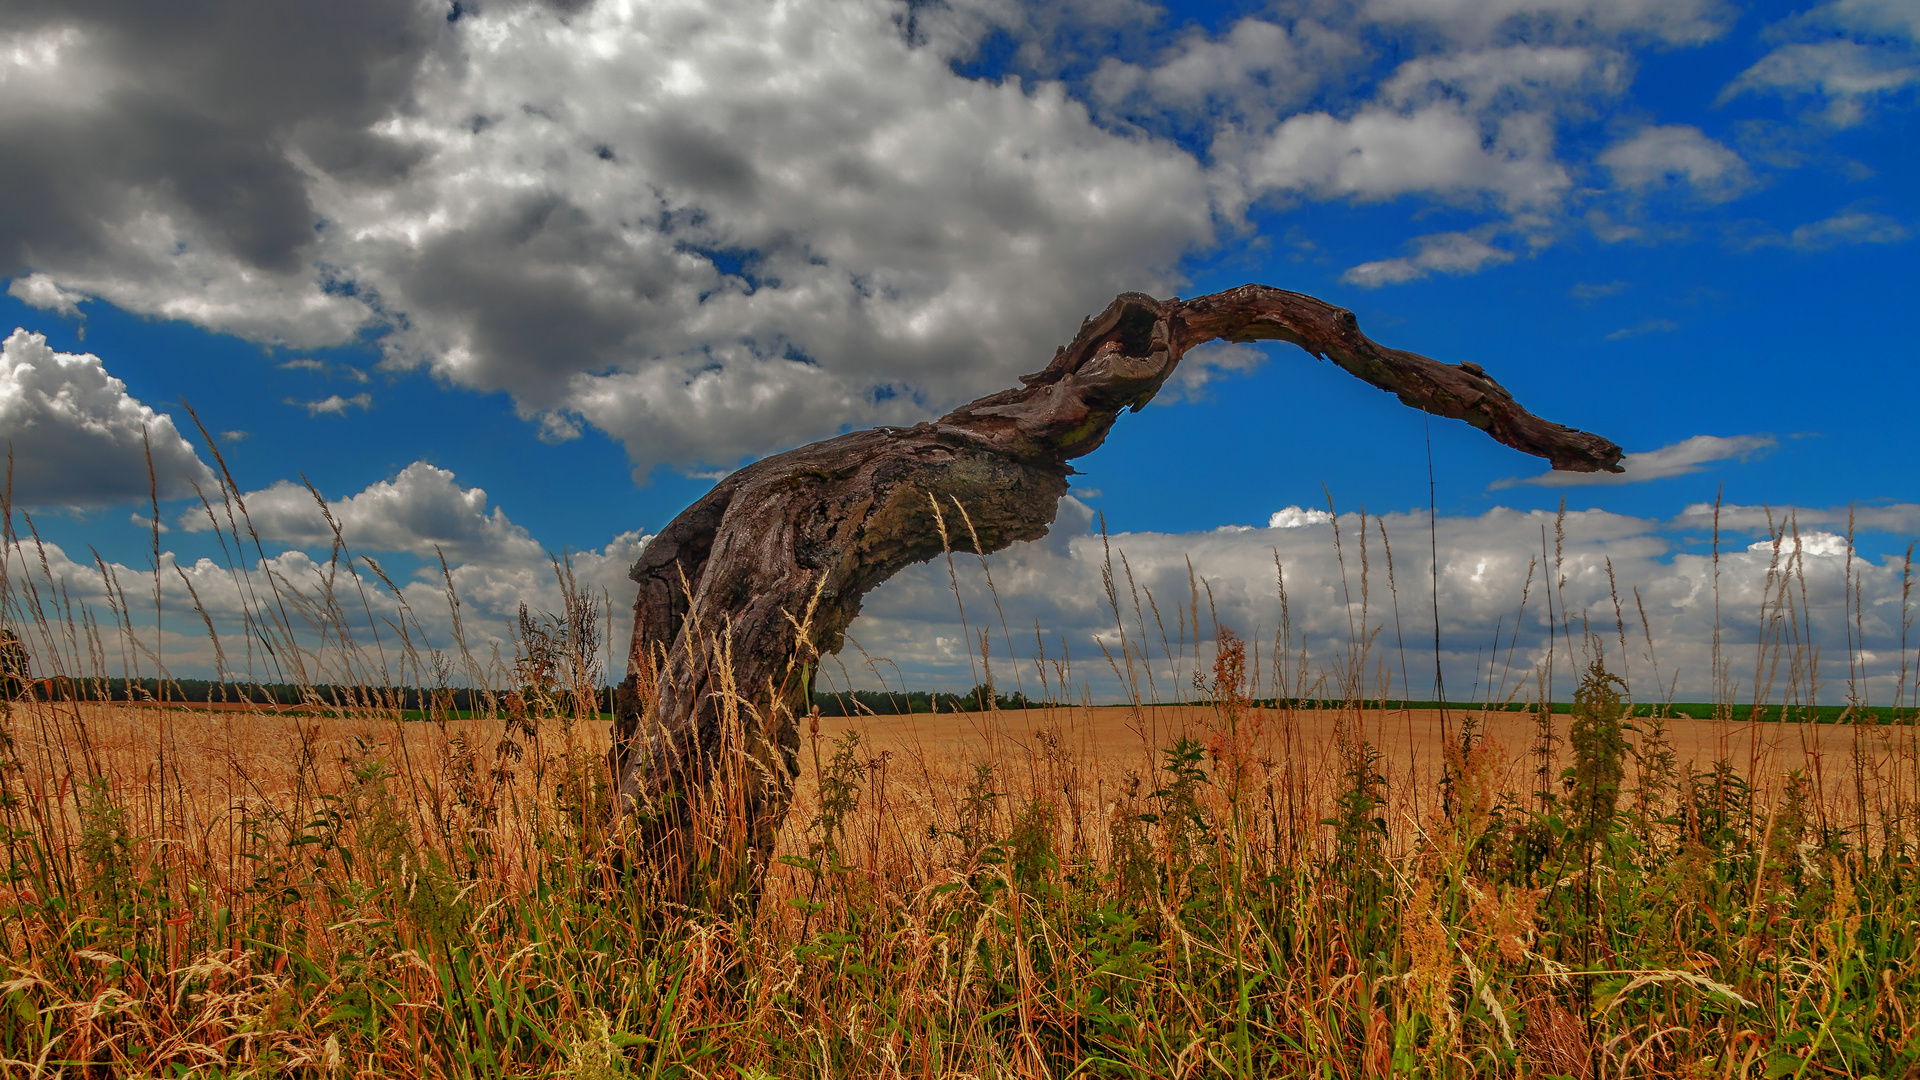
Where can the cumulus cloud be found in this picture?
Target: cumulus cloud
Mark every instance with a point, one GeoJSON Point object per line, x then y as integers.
{"type": "Point", "coordinates": [1661, 156]}
{"type": "Point", "coordinates": [41, 291]}
{"type": "Point", "coordinates": [710, 229]}
{"type": "Point", "coordinates": [78, 438]}
{"type": "Point", "coordinates": [1469, 127]}
{"type": "Point", "coordinates": [1845, 73]}
{"type": "Point", "coordinates": [246, 602]}
{"type": "Point", "coordinates": [1893, 16]}
{"type": "Point", "coordinates": [334, 404]}
{"type": "Point", "coordinates": [1207, 363]}
{"type": "Point", "coordinates": [420, 510]}
{"type": "Point", "coordinates": [715, 229]}
{"type": "Point", "coordinates": [1446, 253]}
{"type": "Point", "coordinates": [325, 369]}
{"type": "Point", "coordinates": [1861, 51]}
{"type": "Point", "coordinates": [1253, 70]}
{"type": "Point", "coordinates": [145, 153]}
{"type": "Point", "coordinates": [1834, 68]}
{"type": "Point", "coordinates": [1382, 153]}
{"type": "Point", "coordinates": [1490, 642]}
{"type": "Point", "coordinates": [1843, 229]}
{"type": "Point", "coordinates": [1293, 517]}
{"type": "Point", "coordinates": [1683, 458]}
{"type": "Point", "coordinates": [1686, 21]}
{"type": "Point", "coordinates": [1898, 518]}
{"type": "Point", "coordinates": [1048, 35]}
{"type": "Point", "coordinates": [1513, 76]}
{"type": "Point", "coordinates": [1494, 572]}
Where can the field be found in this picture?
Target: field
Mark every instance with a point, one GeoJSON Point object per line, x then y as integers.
{"type": "Point", "coordinates": [1046, 893]}
{"type": "Point", "coordinates": [377, 884]}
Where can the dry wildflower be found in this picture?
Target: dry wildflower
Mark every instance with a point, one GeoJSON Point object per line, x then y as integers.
{"type": "Point", "coordinates": [1508, 917]}
{"type": "Point", "coordinates": [1236, 729]}
{"type": "Point", "coordinates": [1477, 789]}
{"type": "Point", "coordinates": [592, 1055]}
{"type": "Point", "coordinates": [1431, 968]}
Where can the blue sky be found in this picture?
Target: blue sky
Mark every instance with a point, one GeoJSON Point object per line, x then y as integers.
{"type": "Point", "coordinates": [586, 262]}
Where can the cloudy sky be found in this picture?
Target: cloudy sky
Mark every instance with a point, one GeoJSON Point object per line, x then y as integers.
{"type": "Point", "coordinates": [500, 280]}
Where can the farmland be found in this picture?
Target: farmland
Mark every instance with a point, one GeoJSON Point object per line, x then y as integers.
{"type": "Point", "coordinates": [1118, 891]}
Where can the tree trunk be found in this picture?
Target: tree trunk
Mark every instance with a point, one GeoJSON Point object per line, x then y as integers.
{"type": "Point", "coordinates": [745, 591]}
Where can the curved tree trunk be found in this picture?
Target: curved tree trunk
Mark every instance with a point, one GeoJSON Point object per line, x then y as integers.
{"type": "Point", "coordinates": [744, 592]}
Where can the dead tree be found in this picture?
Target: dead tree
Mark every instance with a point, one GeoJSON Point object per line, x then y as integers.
{"type": "Point", "coordinates": [744, 593]}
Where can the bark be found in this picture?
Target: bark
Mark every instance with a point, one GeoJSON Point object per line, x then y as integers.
{"type": "Point", "coordinates": [744, 592]}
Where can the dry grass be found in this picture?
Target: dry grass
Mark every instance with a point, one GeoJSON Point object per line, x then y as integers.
{"type": "Point", "coordinates": [1067, 909]}
{"type": "Point", "coordinates": [205, 771]}
{"type": "Point", "coordinates": [1131, 892]}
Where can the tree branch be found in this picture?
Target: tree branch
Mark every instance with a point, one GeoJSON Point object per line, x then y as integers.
{"type": "Point", "coordinates": [744, 592]}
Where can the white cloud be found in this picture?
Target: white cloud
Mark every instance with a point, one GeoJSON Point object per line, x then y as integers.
{"type": "Point", "coordinates": [1683, 458]}
{"type": "Point", "coordinates": [1483, 568]}
{"type": "Point", "coordinates": [1684, 21]}
{"type": "Point", "coordinates": [1843, 229]}
{"type": "Point", "coordinates": [1861, 51]}
{"type": "Point", "coordinates": [1901, 518]}
{"type": "Point", "coordinates": [796, 208]}
{"type": "Point", "coordinates": [1207, 363]}
{"type": "Point", "coordinates": [1848, 228]}
{"type": "Point", "coordinates": [41, 291]}
{"type": "Point", "coordinates": [715, 228]}
{"type": "Point", "coordinates": [1293, 517]}
{"type": "Point", "coordinates": [1515, 76]}
{"type": "Point", "coordinates": [1846, 73]}
{"type": "Point", "coordinates": [1812, 542]}
{"type": "Point", "coordinates": [417, 511]}
{"type": "Point", "coordinates": [1651, 326]}
{"type": "Point", "coordinates": [334, 404]}
{"type": "Point", "coordinates": [288, 593]}
{"type": "Point", "coordinates": [1835, 68]}
{"type": "Point", "coordinates": [78, 438]}
{"type": "Point", "coordinates": [1436, 149]}
{"type": "Point", "coordinates": [325, 369]}
{"type": "Point", "coordinates": [1335, 597]}
{"type": "Point", "coordinates": [1896, 16]}
{"type": "Point", "coordinates": [1446, 253]}
{"type": "Point", "coordinates": [1255, 69]}
{"type": "Point", "coordinates": [711, 229]}
{"type": "Point", "coordinates": [674, 219]}
{"type": "Point", "coordinates": [1657, 157]}
{"type": "Point", "coordinates": [1044, 30]}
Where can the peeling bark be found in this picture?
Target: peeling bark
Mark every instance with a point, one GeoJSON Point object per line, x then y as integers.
{"type": "Point", "coordinates": [744, 592]}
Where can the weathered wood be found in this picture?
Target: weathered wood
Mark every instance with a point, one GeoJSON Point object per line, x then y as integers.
{"type": "Point", "coordinates": [749, 587]}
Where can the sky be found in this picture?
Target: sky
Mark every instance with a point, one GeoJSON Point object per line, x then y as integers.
{"type": "Point", "coordinates": [507, 281]}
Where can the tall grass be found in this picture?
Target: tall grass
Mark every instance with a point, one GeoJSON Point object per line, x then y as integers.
{"type": "Point", "coordinates": [253, 894]}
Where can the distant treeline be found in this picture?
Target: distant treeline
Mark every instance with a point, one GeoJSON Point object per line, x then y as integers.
{"type": "Point", "coordinates": [418, 700]}
{"type": "Point", "coordinates": [891, 703]}
{"type": "Point", "coordinates": [884, 703]}
{"type": "Point", "coordinates": [269, 695]}
{"type": "Point", "coordinates": [1691, 710]}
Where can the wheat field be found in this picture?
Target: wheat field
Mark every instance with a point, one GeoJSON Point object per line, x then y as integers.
{"type": "Point", "coordinates": [1221, 888]}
